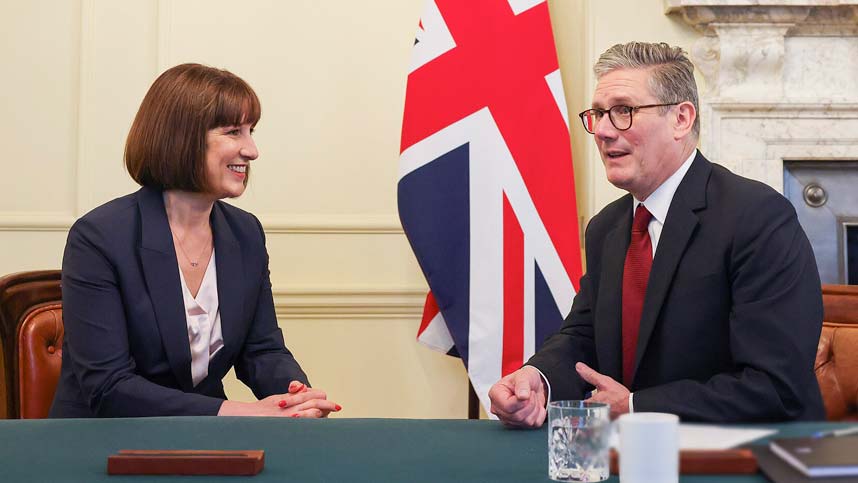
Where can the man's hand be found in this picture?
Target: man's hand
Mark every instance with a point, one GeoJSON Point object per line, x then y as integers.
{"type": "Point", "coordinates": [519, 399]}
{"type": "Point", "coordinates": [607, 390]}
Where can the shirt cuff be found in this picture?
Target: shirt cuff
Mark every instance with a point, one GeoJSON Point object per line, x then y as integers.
{"type": "Point", "coordinates": [631, 404]}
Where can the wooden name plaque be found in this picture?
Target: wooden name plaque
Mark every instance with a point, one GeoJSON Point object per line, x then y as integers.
{"type": "Point", "coordinates": [708, 462]}
{"type": "Point", "coordinates": [186, 462]}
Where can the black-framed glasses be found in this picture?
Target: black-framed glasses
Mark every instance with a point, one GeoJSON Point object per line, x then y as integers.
{"type": "Point", "coordinates": [620, 116]}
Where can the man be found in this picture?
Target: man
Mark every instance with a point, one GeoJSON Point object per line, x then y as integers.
{"type": "Point", "coordinates": [702, 296]}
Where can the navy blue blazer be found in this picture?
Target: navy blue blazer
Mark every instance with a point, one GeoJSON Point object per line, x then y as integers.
{"type": "Point", "coordinates": [732, 312]}
{"type": "Point", "coordinates": [126, 351]}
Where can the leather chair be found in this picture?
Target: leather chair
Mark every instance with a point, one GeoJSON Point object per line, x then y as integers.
{"type": "Point", "coordinates": [31, 339]}
{"type": "Point", "coordinates": [837, 354]}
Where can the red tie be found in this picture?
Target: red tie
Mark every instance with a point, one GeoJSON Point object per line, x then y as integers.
{"type": "Point", "coordinates": [635, 276]}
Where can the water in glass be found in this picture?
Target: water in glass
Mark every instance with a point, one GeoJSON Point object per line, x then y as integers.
{"type": "Point", "coordinates": [578, 441]}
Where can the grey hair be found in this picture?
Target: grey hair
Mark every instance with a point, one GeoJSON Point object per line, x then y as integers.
{"type": "Point", "coordinates": [672, 73]}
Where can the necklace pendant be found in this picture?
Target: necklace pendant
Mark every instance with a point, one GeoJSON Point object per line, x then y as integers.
{"type": "Point", "coordinates": [194, 264]}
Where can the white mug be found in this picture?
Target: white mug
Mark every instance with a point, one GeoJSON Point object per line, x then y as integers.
{"type": "Point", "coordinates": [649, 448]}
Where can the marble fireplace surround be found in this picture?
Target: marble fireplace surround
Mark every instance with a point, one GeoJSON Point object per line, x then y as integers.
{"type": "Point", "coordinates": [781, 81]}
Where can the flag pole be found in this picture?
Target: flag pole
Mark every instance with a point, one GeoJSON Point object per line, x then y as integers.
{"type": "Point", "coordinates": [473, 402]}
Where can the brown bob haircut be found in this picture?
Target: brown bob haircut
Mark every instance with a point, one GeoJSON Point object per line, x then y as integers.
{"type": "Point", "coordinates": [166, 146]}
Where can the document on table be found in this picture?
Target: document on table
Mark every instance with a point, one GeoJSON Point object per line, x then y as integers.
{"type": "Point", "coordinates": [705, 436]}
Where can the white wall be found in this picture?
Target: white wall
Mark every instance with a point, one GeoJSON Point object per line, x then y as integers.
{"type": "Point", "coordinates": [331, 78]}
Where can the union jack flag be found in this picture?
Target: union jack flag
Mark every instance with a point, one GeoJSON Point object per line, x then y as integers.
{"type": "Point", "coordinates": [486, 189]}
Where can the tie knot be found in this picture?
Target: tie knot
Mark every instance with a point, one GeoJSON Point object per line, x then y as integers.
{"type": "Point", "coordinates": [642, 218]}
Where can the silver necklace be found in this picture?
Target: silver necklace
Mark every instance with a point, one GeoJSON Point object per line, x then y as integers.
{"type": "Point", "coordinates": [194, 263]}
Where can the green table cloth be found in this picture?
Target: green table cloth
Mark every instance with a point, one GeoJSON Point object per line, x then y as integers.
{"type": "Point", "coordinates": [299, 450]}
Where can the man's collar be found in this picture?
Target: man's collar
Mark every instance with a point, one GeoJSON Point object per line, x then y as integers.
{"type": "Point", "coordinates": [659, 201]}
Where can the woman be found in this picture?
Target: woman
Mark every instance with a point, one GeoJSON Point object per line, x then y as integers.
{"type": "Point", "coordinates": [166, 289]}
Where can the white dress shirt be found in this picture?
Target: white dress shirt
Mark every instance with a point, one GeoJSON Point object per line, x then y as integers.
{"type": "Point", "coordinates": [658, 203]}
{"type": "Point", "coordinates": [203, 318]}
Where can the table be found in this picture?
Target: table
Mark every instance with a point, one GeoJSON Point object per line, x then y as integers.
{"type": "Point", "coordinates": [301, 450]}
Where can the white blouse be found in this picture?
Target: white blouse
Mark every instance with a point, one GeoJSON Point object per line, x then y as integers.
{"type": "Point", "coordinates": [203, 318]}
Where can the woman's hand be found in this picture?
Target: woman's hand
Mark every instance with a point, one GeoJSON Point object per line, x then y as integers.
{"type": "Point", "coordinates": [306, 402]}
{"type": "Point", "coordinates": [300, 402]}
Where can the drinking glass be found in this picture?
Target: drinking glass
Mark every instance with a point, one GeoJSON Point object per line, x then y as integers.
{"type": "Point", "coordinates": [578, 441]}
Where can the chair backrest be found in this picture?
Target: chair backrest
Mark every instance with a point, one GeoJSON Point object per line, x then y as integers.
{"type": "Point", "coordinates": [31, 337]}
{"type": "Point", "coordinates": [837, 353]}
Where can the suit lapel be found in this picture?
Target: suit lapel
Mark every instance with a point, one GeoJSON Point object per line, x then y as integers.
{"type": "Point", "coordinates": [230, 278]}
{"type": "Point", "coordinates": [608, 330]}
{"type": "Point", "coordinates": [161, 271]}
{"type": "Point", "coordinates": [679, 226]}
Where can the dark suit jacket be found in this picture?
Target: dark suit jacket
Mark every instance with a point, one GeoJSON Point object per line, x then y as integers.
{"type": "Point", "coordinates": [126, 351]}
{"type": "Point", "coordinates": [732, 313]}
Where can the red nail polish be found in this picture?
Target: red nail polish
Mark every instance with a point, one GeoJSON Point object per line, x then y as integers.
{"type": "Point", "coordinates": [282, 404]}
{"type": "Point", "coordinates": [337, 407]}
{"type": "Point", "coordinates": [294, 415]}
